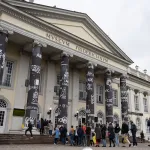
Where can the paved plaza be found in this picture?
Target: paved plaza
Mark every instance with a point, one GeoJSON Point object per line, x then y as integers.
{"type": "Point", "coordinates": [60, 147]}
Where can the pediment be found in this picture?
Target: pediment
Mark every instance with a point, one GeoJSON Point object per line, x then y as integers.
{"type": "Point", "coordinates": [74, 24]}
{"type": "Point", "coordinates": [78, 29]}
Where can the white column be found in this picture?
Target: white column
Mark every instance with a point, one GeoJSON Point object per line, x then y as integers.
{"type": "Point", "coordinates": [142, 111]}
{"type": "Point", "coordinates": [75, 96]}
{"type": "Point", "coordinates": [50, 83]}
{"type": "Point", "coordinates": [20, 94]}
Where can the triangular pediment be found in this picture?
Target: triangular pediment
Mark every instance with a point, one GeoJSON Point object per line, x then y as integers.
{"type": "Point", "coordinates": [78, 29]}
{"type": "Point", "coordinates": [76, 24]}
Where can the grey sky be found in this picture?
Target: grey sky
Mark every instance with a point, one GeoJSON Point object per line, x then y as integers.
{"type": "Point", "coordinates": [127, 22]}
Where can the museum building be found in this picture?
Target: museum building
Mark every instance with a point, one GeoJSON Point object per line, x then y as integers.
{"type": "Point", "coordinates": [59, 65]}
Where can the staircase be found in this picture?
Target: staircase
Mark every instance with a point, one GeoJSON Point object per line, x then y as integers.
{"type": "Point", "coordinates": [22, 139]}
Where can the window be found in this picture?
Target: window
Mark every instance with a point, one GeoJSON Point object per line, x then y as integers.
{"type": "Point", "coordinates": [128, 100]}
{"type": "Point", "coordinates": [7, 74]}
{"type": "Point", "coordinates": [136, 101]}
{"type": "Point", "coordinates": [138, 123]}
{"type": "Point", "coordinates": [82, 90]}
{"type": "Point", "coordinates": [146, 127]}
{"type": "Point", "coordinates": [114, 96]}
{"type": "Point", "coordinates": [145, 105]}
{"type": "Point", "coordinates": [99, 94]}
{"type": "Point", "coordinates": [56, 88]}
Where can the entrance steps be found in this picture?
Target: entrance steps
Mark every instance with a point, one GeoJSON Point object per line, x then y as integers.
{"type": "Point", "coordinates": [22, 139]}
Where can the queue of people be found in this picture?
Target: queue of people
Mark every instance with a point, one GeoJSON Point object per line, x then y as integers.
{"type": "Point", "coordinates": [85, 136]}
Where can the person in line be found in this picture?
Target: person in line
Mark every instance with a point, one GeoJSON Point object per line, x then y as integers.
{"type": "Point", "coordinates": [56, 133]}
{"type": "Point", "coordinates": [71, 134]}
{"type": "Point", "coordinates": [103, 131]}
{"type": "Point", "coordinates": [29, 129]}
{"type": "Point", "coordinates": [98, 135]}
{"type": "Point", "coordinates": [76, 136]}
{"type": "Point", "coordinates": [124, 132]}
{"type": "Point", "coordinates": [42, 127]}
{"type": "Point", "coordinates": [84, 136]}
{"type": "Point", "coordinates": [142, 136]}
{"type": "Point", "coordinates": [60, 130]}
{"type": "Point", "coordinates": [80, 135]}
{"type": "Point", "coordinates": [88, 134]}
{"type": "Point", "coordinates": [133, 131]}
{"type": "Point", "coordinates": [117, 130]}
{"type": "Point", "coordinates": [50, 125]}
{"type": "Point", "coordinates": [111, 134]}
{"type": "Point", "coordinates": [94, 138]}
{"type": "Point", "coordinates": [64, 134]}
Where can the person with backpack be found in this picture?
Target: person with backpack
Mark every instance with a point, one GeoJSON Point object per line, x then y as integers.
{"type": "Point", "coordinates": [117, 130]}
{"type": "Point", "coordinates": [111, 134]}
{"type": "Point", "coordinates": [133, 131]}
{"type": "Point", "coordinates": [29, 129]}
{"type": "Point", "coordinates": [80, 133]}
{"type": "Point", "coordinates": [103, 131]}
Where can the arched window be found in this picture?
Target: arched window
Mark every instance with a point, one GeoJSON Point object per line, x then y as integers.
{"type": "Point", "coordinates": [116, 119]}
{"type": "Point", "coordinates": [3, 104]}
{"type": "Point", "coordinates": [100, 117]}
{"type": "Point", "coordinates": [82, 113]}
{"type": "Point", "coordinates": [138, 123]}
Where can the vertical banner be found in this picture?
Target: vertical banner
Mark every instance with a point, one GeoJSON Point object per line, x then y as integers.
{"type": "Point", "coordinates": [3, 41]}
{"type": "Point", "coordinates": [124, 98]}
{"type": "Point", "coordinates": [33, 93]}
{"type": "Point", "coordinates": [90, 96]}
{"type": "Point", "coordinates": [108, 97]}
{"type": "Point", "coordinates": [63, 91]}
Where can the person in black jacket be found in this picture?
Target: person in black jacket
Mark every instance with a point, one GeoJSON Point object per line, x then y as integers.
{"type": "Point", "coordinates": [42, 127]}
{"type": "Point", "coordinates": [117, 130]}
{"type": "Point", "coordinates": [29, 128]}
{"type": "Point", "coordinates": [103, 132]}
{"type": "Point", "coordinates": [124, 132]}
{"type": "Point", "coordinates": [111, 134]}
{"type": "Point", "coordinates": [64, 134]}
{"type": "Point", "coordinates": [133, 131]}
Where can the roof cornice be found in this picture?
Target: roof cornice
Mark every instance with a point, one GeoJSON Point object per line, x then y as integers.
{"type": "Point", "coordinates": [138, 80]}
{"type": "Point", "coordinates": [72, 15]}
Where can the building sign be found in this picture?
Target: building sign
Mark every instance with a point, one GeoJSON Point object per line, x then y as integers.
{"type": "Point", "coordinates": [75, 47]}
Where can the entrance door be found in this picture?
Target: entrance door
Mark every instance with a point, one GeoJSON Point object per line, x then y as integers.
{"type": "Point", "coordinates": [2, 119]}
{"type": "Point", "coordinates": [3, 111]}
{"type": "Point", "coordinates": [82, 117]}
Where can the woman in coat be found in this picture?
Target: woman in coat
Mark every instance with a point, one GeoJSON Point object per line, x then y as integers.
{"type": "Point", "coordinates": [57, 133]}
{"type": "Point", "coordinates": [98, 135]}
{"type": "Point", "coordinates": [103, 131]}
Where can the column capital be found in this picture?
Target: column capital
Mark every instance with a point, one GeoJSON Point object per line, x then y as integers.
{"type": "Point", "coordinates": [108, 71]}
{"type": "Point", "coordinates": [124, 76]}
{"type": "Point", "coordinates": [38, 43]}
{"type": "Point", "coordinates": [91, 65]}
{"type": "Point", "coordinates": [6, 30]}
{"type": "Point", "coordinates": [66, 54]}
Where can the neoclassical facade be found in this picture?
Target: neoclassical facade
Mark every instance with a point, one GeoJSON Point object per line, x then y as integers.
{"type": "Point", "coordinates": [59, 65]}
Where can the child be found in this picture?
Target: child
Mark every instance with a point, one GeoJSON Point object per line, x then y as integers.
{"type": "Point", "coordinates": [56, 136]}
{"type": "Point", "coordinates": [94, 138]}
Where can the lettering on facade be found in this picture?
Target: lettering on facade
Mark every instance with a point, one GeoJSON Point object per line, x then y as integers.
{"type": "Point", "coordinates": [75, 47]}
{"type": "Point", "coordinates": [57, 39]}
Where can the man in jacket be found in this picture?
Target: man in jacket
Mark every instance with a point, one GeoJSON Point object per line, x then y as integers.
{"type": "Point", "coordinates": [88, 135]}
{"type": "Point", "coordinates": [29, 128]}
{"type": "Point", "coordinates": [133, 131]}
{"type": "Point", "coordinates": [117, 130]}
{"type": "Point", "coordinates": [80, 133]}
{"type": "Point", "coordinates": [124, 131]}
{"type": "Point", "coordinates": [98, 135]}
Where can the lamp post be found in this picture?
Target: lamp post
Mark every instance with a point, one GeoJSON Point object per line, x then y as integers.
{"type": "Point", "coordinates": [49, 112]}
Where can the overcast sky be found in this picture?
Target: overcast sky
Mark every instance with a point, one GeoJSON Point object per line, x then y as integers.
{"type": "Point", "coordinates": [127, 22]}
